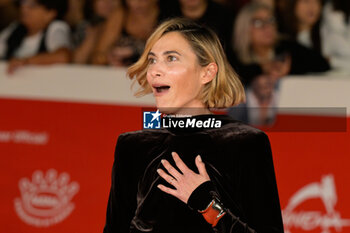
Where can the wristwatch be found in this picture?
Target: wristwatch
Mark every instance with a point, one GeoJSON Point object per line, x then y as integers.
{"type": "Point", "coordinates": [214, 212]}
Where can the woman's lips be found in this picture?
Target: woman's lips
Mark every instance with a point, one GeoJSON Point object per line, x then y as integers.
{"type": "Point", "coordinates": [160, 90]}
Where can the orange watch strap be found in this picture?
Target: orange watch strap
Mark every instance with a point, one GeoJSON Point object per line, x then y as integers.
{"type": "Point", "coordinates": [213, 213]}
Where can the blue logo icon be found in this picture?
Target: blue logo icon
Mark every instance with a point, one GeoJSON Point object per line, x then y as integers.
{"type": "Point", "coordinates": [151, 120]}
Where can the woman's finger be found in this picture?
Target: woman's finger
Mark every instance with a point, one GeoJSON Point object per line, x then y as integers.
{"type": "Point", "coordinates": [167, 190]}
{"type": "Point", "coordinates": [171, 180]}
{"type": "Point", "coordinates": [201, 167]}
{"type": "Point", "coordinates": [171, 169]}
{"type": "Point", "coordinates": [179, 163]}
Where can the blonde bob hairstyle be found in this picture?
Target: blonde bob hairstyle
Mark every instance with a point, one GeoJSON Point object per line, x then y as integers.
{"type": "Point", "coordinates": [224, 90]}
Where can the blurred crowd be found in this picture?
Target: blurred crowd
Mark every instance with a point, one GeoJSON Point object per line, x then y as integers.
{"type": "Point", "coordinates": [264, 40]}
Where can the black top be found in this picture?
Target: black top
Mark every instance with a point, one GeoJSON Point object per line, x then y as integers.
{"type": "Point", "coordinates": [238, 160]}
{"type": "Point", "coordinates": [17, 37]}
{"type": "Point", "coordinates": [303, 60]}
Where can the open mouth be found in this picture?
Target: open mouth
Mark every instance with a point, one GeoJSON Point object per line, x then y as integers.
{"type": "Point", "coordinates": [160, 89]}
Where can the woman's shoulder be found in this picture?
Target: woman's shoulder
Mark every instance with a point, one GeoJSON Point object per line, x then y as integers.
{"type": "Point", "coordinates": [58, 25]}
{"type": "Point", "coordinates": [229, 130]}
{"type": "Point", "coordinates": [230, 123]}
{"type": "Point", "coordinates": [142, 136]}
{"type": "Point", "coordinates": [58, 36]}
{"type": "Point", "coordinates": [246, 142]}
{"type": "Point", "coordinates": [237, 129]}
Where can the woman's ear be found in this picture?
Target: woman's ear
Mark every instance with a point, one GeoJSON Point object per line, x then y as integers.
{"type": "Point", "coordinates": [209, 72]}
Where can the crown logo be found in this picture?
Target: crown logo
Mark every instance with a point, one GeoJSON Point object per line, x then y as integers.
{"type": "Point", "coordinates": [325, 190]}
{"type": "Point", "coordinates": [46, 199]}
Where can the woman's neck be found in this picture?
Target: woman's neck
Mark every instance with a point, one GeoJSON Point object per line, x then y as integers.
{"type": "Point", "coordinates": [192, 109]}
{"type": "Point", "coordinates": [195, 12]}
{"type": "Point", "coordinates": [33, 31]}
{"type": "Point", "coordinates": [263, 53]}
{"type": "Point", "coordinates": [186, 112]}
{"type": "Point", "coordinates": [304, 27]}
{"type": "Point", "coordinates": [193, 112]}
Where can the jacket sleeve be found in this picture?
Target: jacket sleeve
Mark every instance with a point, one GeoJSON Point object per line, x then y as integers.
{"type": "Point", "coordinates": [122, 202]}
{"type": "Point", "coordinates": [258, 195]}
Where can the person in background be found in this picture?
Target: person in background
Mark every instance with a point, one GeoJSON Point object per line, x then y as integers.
{"type": "Point", "coordinates": [126, 32]}
{"type": "Point", "coordinates": [301, 22]}
{"type": "Point", "coordinates": [260, 50]}
{"type": "Point", "coordinates": [39, 37]}
{"type": "Point", "coordinates": [328, 33]}
{"type": "Point", "coordinates": [261, 58]}
{"type": "Point", "coordinates": [211, 14]}
{"type": "Point", "coordinates": [90, 29]}
{"type": "Point", "coordinates": [335, 29]}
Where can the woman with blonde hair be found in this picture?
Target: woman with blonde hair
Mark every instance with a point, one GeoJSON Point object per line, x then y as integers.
{"type": "Point", "coordinates": [262, 57]}
{"type": "Point", "coordinates": [260, 50]}
{"type": "Point", "coordinates": [202, 172]}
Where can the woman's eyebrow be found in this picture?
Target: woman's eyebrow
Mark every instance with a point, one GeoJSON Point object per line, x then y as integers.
{"type": "Point", "coordinates": [151, 54]}
{"type": "Point", "coordinates": [165, 53]}
{"type": "Point", "coordinates": [171, 51]}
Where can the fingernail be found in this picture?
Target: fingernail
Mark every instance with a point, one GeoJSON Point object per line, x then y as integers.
{"type": "Point", "coordinates": [199, 158]}
{"type": "Point", "coordinates": [158, 170]}
{"type": "Point", "coordinates": [173, 153]}
{"type": "Point", "coordinates": [158, 186]}
{"type": "Point", "coordinates": [162, 161]}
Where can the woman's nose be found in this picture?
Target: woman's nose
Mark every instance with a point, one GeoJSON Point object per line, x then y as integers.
{"type": "Point", "coordinates": [157, 70]}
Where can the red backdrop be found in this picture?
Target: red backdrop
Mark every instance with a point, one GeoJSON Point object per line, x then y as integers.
{"type": "Point", "coordinates": [56, 161]}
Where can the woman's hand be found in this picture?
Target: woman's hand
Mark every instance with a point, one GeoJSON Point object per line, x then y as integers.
{"type": "Point", "coordinates": [184, 183]}
{"type": "Point", "coordinates": [278, 68]}
{"type": "Point", "coordinates": [14, 64]}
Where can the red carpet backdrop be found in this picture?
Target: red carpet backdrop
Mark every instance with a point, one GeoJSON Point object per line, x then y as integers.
{"type": "Point", "coordinates": [57, 155]}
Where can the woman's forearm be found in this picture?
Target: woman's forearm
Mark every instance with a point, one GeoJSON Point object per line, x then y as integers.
{"type": "Point", "coordinates": [109, 35]}
{"type": "Point", "coordinates": [59, 56]}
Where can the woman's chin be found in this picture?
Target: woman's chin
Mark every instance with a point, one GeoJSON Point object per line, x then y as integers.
{"type": "Point", "coordinates": [167, 110]}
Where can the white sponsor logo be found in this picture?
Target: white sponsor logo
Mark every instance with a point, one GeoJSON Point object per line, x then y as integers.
{"type": "Point", "coordinates": [191, 123]}
{"type": "Point", "coordinates": [24, 137]}
{"type": "Point", "coordinates": [46, 200]}
{"type": "Point", "coordinates": [310, 220]}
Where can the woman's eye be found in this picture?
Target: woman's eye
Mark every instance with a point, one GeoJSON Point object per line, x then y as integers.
{"type": "Point", "coordinates": [172, 58]}
{"type": "Point", "coordinates": [151, 60]}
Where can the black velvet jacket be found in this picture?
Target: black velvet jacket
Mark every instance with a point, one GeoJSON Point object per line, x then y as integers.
{"type": "Point", "coordinates": [238, 160]}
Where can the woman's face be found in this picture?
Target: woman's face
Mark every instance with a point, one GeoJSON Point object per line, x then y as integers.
{"type": "Point", "coordinates": [263, 29]}
{"type": "Point", "coordinates": [192, 3]}
{"type": "Point", "coordinates": [104, 8]}
{"type": "Point", "coordinates": [140, 6]}
{"type": "Point", "coordinates": [174, 73]}
{"type": "Point", "coordinates": [35, 16]}
{"type": "Point", "coordinates": [308, 12]}
{"type": "Point", "coordinates": [270, 3]}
